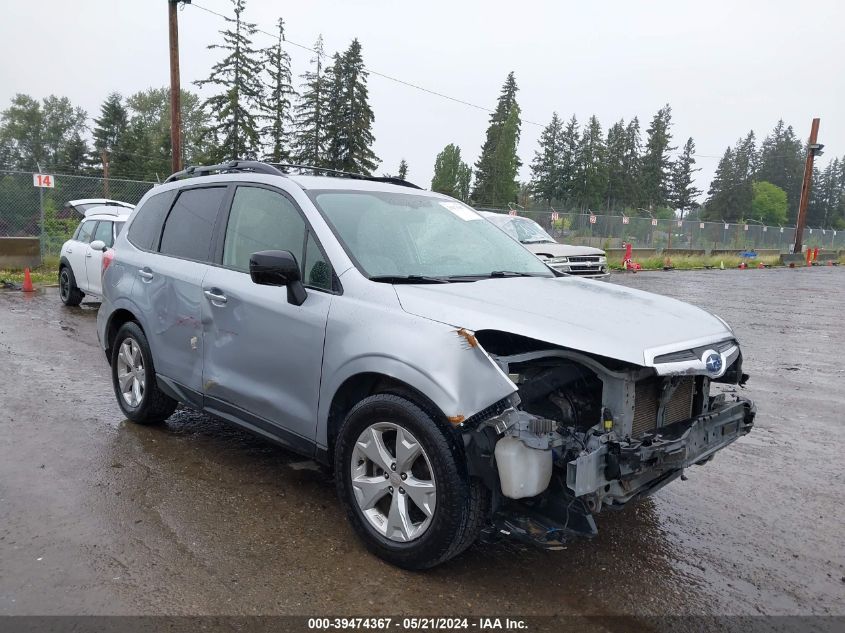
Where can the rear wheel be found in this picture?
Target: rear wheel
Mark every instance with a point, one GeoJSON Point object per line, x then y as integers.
{"type": "Point", "coordinates": [401, 482]}
{"type": "Point", "coordinates": [134, 379]}
{"type": "Point", "coordinates": [69, 292]}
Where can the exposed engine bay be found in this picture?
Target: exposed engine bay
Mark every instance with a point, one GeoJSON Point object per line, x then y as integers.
{"type": "Point", "coordinates": [583, 433]}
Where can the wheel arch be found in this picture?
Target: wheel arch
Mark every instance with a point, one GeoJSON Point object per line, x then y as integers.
{"type": "Point", "coordinates": [363, 384]}
{"type": "Point", "coordinates": [116, 320]}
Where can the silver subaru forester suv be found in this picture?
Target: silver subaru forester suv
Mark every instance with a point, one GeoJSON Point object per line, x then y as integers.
{"type": "Point", "coordinates": [456, 385]}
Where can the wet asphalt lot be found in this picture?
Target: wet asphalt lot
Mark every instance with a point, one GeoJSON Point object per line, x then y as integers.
{"type": "Point", "coordinates": [98, 516]}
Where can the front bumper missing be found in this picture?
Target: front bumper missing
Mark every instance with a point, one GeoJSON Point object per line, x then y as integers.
{"type": "Point", "coordinates": [619, 471]}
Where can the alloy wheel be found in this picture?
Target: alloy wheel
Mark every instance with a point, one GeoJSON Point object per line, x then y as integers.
{"type": "Point", "coordinates": [393, 481]}
{"type": "Point", "coordinates": [131, 377]}
{"type": "Point", "coordinates": [64, 284]}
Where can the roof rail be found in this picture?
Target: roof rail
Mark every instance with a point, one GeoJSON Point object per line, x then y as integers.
{"type": "Point", "coordinates": [248, 166]}
{"type": "Point", "coordinates": [347, 174]}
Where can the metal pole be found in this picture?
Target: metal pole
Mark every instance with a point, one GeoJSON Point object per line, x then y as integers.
{"type": "Point", "coordinates": [175, 90]}
{"type": "Point", "coordinates": [806, 185]}
{"type": "Point", "coordinates": [41, 241]}
{"type": "Point", "coordinates": [105, 156]}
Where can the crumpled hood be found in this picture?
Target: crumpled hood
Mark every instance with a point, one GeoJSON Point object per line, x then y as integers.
{"type": "Point", "coordinates": [561, 250]}
{"type": "Point", "coordinates": [583, 315]}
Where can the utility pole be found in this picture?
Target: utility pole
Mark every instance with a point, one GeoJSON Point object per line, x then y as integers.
{"type": "Point", "coordinates": [104, 155]}
{"type": "Point", "coordinates": [175, 90]}
{"type": "Point", "coordinates": [814, 148]}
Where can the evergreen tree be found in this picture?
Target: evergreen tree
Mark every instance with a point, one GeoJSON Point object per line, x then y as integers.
{"type": "Point", "coordinates": [497, 167]}
{"type": "Point", "coordinates": [615, 166]}
{"type": "Point", "coordinates": [781, 162]}
{"type": "Point", "coordinates": [349, 118]}
{"type": "Point", "coordinates": [570, 139]}
{"type": "Point", "coordinates": [591, 167]}
{"type": "Point", "coordinates": [451, 174]}
{"type": "Point", "coordinates": [403, 170]}
{"type": "Point", "coordinates": [238, 75]}
{"type": "Point", "coordinates": [545, 169]}
{"type": "Point", "coordinates": [745, 171]}
{"type": "Point", "coordinates": [630, 193]}
{"type": "Point", "coordinates": [827, 198]}
{"type": "Point", "coordinates": [655, 173]}
{"type": "Point", "coordinates": [310, 134]}
{"type": "Point", "coordinates": [683, 192]}
{"type": "Point", "coordinates": [277, 108]}
{"type": "Point", "coordinates": [109, 131]}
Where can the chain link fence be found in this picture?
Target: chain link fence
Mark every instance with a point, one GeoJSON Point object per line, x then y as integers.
{"type": "Point", "coordinates": [22, 204]}
{"type": "Point", "coordinates": [612, 231]}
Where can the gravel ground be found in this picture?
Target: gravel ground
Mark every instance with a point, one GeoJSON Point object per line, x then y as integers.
{"type": "Point", "coordinates": [103, 517]}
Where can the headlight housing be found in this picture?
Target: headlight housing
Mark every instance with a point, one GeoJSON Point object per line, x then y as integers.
{"type": "Point", "coordinates": [558, 260]}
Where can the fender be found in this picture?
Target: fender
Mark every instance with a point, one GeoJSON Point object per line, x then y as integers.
{"type": "Point", "coordinates": [460, 378]}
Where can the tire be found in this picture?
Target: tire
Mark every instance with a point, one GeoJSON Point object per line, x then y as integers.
{"type": "Point", "coordinates": [459, 504]}
{"type": "Point", "coordinates": [69, 292]}
{"type": "Point", "coordinates": [146, 403]}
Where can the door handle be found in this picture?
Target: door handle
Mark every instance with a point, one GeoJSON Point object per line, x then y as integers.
{"type": "Point", "coordinates": [146, 274]}
{"type": "Point", "coordinates": [217, 297]}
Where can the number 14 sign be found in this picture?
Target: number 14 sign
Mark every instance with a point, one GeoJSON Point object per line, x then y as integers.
{"type": "Point", "coordinates": [43, 180]}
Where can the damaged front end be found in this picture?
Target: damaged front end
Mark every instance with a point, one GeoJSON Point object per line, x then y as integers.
{"type": "Point", "coordinates": [583, 433]}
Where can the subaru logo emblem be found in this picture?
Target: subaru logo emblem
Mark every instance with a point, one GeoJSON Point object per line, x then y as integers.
{"type": "Point", "coordinates": [712, 362]}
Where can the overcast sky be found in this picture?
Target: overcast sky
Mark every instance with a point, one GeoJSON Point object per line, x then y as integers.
{"type": "Point", "coordinates": [724, 66]}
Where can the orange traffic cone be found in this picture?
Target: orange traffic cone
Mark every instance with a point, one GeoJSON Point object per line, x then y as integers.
{"type": "Point", "coordinates": [743, 265]}
{"type": "Point", "coordinates": [761, 265]}
{"type": "Point", "coordinates": [27, 281]}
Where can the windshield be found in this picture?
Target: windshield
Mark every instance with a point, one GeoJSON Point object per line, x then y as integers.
{"type": "Point", "coordinates": [521, 229]}
{"type": "Point", "coordinates": [396, 235]}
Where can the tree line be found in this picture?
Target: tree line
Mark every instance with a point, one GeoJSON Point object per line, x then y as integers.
{"type": "Point", "coordinates": [254, 111]}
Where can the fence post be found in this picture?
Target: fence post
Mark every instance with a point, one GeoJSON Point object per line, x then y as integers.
{"type": "Point", "coordinates": [42, 229]}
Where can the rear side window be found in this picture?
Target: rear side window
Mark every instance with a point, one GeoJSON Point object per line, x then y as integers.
{"type": "Point", "coordinates": [86, 231]}
{"type": "Point", "coordinates": [190, 223]}
{"type": "Point", "coordinates": [146, 227]}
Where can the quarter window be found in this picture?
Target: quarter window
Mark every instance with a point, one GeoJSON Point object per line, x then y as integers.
{"type": "Point", "coordinates": [189, 226]}
{"type": "Point", "coordinates": [145, 230]}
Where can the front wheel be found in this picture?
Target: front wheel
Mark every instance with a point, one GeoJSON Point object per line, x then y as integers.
{"type": "Point", "coordinates": [402, 484]}
{"type": "Point", "coordinates": [134, 379]}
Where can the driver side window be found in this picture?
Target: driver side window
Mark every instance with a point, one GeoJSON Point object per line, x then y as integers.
{"type": "Point", "coordinates": [263, 220]}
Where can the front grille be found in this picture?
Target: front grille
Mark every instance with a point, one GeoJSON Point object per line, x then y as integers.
{"type": "Point", "coordinates": [585, 258]}
{"type": "Point", "coordinates": [585, 270]}
{"type": "Point", "coordinates": [695, 353]}
{"type": "Point", "coordinates": [647, 402]}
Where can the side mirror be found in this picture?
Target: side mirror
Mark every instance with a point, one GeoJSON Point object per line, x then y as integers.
{"type": "Point", "coordinates": [278, 268]}
{"type": "Point", "coordinates": [98, 245]}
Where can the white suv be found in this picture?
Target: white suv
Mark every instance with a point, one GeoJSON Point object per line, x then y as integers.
{"type": "Point", "coordinates": [82, 255]}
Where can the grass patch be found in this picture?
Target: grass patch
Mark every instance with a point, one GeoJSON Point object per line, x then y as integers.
{"type": "Point", "coordinates": [695, 262]}
{"type": "Point", "coordinates": [45, 275]}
